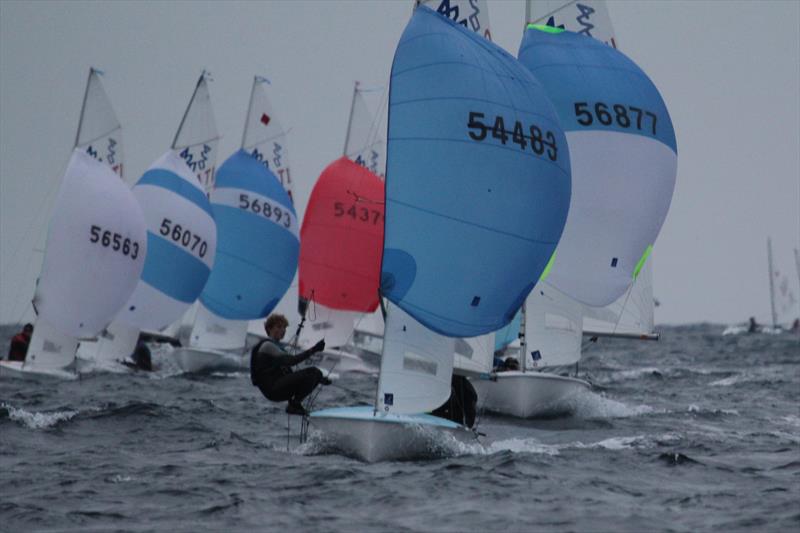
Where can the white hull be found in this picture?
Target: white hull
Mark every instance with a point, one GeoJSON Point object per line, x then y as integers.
{"type": "Point", "coordinates": [358, 432]}
{"type": "Point", "coordinates": [529, 394]}
{"type": "Point", "coordinates": [16, 370]}
{"type": "Point", "coordinates": [197, 360]}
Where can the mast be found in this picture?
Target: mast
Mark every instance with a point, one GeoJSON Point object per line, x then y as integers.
{"type": "Point", "coordinates": [522, 340]}
{"type": "Point", "coordinates": [797, 263]}
{"type": "Point", "coordinates": [350, 118]}
{"type": "Point", "coordinates": [188, 107]}
{"type": "Point", "coordinates": [83, 107]}
{"type": "Point", "coordinates": [771, 284]}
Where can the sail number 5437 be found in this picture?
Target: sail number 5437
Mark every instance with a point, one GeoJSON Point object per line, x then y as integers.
{"type": "Point", "coordinates": [538, 139]}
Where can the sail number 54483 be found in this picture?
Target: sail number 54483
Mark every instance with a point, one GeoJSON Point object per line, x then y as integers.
{"type": "Point", "coordinates": [538, 139]}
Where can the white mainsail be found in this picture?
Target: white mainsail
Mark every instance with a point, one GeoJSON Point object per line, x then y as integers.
{"type": "Point", "coordinates": [99, 131]}
{"type": "Point", "coordinates": [472, 14]}
{"type": "Point", "coordinates": [196, 140]}
{"type": "Point", "coordinates": [589, 17]}
{"type": "Point", "coordinates": [363, 143]}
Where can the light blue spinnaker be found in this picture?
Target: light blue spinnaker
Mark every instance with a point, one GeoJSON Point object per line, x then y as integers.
{"type": "Point", "coordinates": [507, 334]}
{"type": "Point", "coordinates": [623, 155]}
{"type": "Point", "coordinates": [258, 241]}
{"type": "Point", "coordinates": [478, 180]}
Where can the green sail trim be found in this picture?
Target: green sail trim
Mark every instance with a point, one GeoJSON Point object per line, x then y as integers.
{"type": "Point", "coordinates": [545, 28]}
{"type": "Point", "coordinates": [642, 261]}
{"type": "Point", "coordinates": [548, 267]}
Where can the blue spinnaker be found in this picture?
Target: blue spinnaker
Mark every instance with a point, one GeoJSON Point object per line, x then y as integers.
{"type": "Point", "coordinates": [478, 180]}
{"type": "Point", "coordinates": [623, 155]}
{"type": "Point", "coordinates": [258, 242]}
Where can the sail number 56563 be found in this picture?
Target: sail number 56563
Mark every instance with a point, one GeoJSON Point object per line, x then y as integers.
{"type": "Point", "coordinates": [115, 241]}
{"type": "Point", "coordinates": [539, 140]}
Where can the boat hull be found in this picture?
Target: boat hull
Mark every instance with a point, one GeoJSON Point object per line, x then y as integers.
{"type": "Point", "coordinates": [529, 394]}
{"type": "Point", "coordinates": [16, 370]}
{"type": "Point", "coordinates": [360, 433]}
{"type": "Point", "coordinates": [197, 360]}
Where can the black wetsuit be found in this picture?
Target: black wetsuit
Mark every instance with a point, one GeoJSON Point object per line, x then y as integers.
{"type": "Point", "coordinates": [271, 371]}
{"type": "Point", "coordinates": [461, 406]}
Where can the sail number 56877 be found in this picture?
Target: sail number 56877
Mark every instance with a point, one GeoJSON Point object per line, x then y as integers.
{"type": "Point", "coordinates": [538, 139]}
{"type": "Point", "coordinates": [625, 116]}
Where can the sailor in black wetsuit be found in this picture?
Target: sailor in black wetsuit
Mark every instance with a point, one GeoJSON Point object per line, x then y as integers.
{"type": "Point", "coordinates": [271, 368]}
{"type": "Point", "coordinates": [462, 404]}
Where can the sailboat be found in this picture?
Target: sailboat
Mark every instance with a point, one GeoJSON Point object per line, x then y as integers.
{"type": "Point", "coordinates": [96, 245]}
{"type": "Point", "coordinates": [257, 251]}
{"type": "Point", "coordinates": [341, 240]}
{"type": "Point", "coordinates": [783, 303]}
{"type": "Point", "coordinates": [459, 179]}
{"type": "Point", "coordinates": [606, 241]}
{"type": "Point", "coordinates": [181, 233]}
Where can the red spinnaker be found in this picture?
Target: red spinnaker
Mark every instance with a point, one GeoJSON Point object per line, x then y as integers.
{"type": "Point", "coordinates": [342, 238]}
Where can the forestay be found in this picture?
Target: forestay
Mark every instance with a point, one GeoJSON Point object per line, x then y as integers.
{"type": "Point", "coordinates": [264, 137]}
{"type": "Point", "coordinates": [96, 248]}
{"type": "Point", "coordinates": [99, 131]}
{"type": "Point", "coordinates": [477, 161]}
{"type": "Point", "coordinates": [196, 139]}
{"type": "Point", "coordinates": [258, 241]}
{"type": "Point", "coordinates": [624, 160]}
{"type": "Point", "coordinates": [341, 238]}
{"type": "Point", "coordinates": [416, 366]}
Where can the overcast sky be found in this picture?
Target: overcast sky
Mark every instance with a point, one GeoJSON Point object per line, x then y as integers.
{"type": "Point", "coordinates": [728, 71]}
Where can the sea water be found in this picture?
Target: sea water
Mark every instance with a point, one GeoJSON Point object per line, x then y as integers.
{"type": "Point", "coordinates": [698, 431]}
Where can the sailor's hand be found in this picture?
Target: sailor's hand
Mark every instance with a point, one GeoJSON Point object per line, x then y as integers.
{"type": "Point", "coordinates": [320, 346]}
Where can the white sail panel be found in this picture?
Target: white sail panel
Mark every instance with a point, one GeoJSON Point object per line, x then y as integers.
{"type": "Point", "coordinates": [472, 14]}
{"type": "Point", "coordinates": [589, 17]}
{"type": "Point", "coordinates": [216, 333]}
{"type": "Point", "coordinates": [621, 180]}
{"type": "Point", "coordinates": [416, 366]}
{"type": "Point", "coordinates": [197, 137]}
{"type": "Point", "coordinates": [364, 145]}
{"type": "Point", "coordinates": [323, 322]}
{"type": "Point", "coordinates": [264, 137]}
{"type": "Point", "coordinates": [50, 349]}
{"type": "Point", "coordinates": [553, 327]}
{"type": "Point", "coordinates": [474, 355]}
{"type": "Point", "coordinates": [631, 313]}
{"type": "Point", "coordinates": [99, 131]}
{"type": "Point", "coordinates": [96, 247]}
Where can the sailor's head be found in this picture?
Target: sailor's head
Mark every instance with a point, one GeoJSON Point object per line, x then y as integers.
{"type": "Point", "coordinates": [28, 328]}
{"type": "Point", "coordinates": [275, 326]}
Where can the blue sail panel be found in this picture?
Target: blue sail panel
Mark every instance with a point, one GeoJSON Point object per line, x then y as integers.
{"type": "Point", "coordinates": [596, 87]}
{"type": "Point", "coordinates": [258, 242]}
{"type": "Point", "coordinates": [507, 334]}
{"type": "Point", "coordinates": [478, 180]}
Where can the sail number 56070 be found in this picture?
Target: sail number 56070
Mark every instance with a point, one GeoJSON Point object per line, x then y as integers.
{"type": "Point", "coordinates": [539, 140]}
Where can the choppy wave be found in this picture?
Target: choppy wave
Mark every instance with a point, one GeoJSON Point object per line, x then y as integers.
{"type": "Point", "coordinates": [37, 420]}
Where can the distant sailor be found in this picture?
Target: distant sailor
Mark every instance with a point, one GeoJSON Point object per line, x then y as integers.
{"type": "Point", "coordinates": [754, 326]}
{"type": "Point", "coordinates": [19, 344]}
{"type": "Point", "coordinates": [271, 368]}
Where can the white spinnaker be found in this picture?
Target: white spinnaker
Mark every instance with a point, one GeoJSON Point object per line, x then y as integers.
{"type": "Point", "coordinates": [472, 14]}
{"type": "Point", "coordinates": [553, 327]}
{"type": "Point", "coordinates": [416, 366]}
{"type": "Point", "coordinates": [620, 180]}
{"type": "Point", "coordinates": [197, 139]}
{"type": "Point", "coordinates": [99, 131]}
{"type": "Point", "coordinates": [96, 246]}
{"type": "Point", "coordinates": [473, 355]}
{"type": "Point", "coordinates": [631, 313]}
{"type": "Point", "coordinates": [589, 17]}
{"type": "Point", "coordinates": [264, 137]}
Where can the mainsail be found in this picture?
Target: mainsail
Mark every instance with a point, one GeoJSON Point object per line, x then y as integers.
{"type": "Point", "coordinates": [99, 131]}
{"type": "Point", "coordinates": [472, 14]}
{"type": "Point", "coordinates": [363, 143]}
{"type": "Point", "coordinates": [624, 160]}
{"type": "Point", "coordinates": [264, 137]}
{"type": "Point", "coordinates": [196, 139]}
{"type": "Point", "coordinates": [477, 161]}
{"type": "Point", "coordinates": [587, 17]}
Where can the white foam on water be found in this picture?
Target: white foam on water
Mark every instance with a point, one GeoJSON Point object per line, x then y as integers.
{"type": "Point", "coordinates": [35, 420]}
{"type": "Point", "coordinates": [514, 445]}
{"type": "Point", "coordinates": [588, 404]}
{"type": "Point", "coordinates": [636, 373]}
{"type": "Point", "coordinates": [731, 380]}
